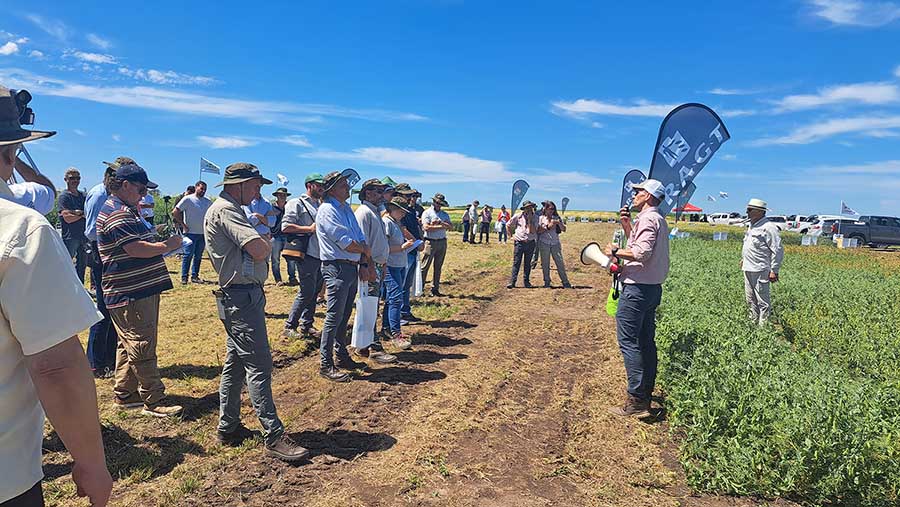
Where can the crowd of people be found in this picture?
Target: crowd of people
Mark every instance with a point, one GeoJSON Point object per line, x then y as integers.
{"type": "Point", "coordinates": [325, 243]}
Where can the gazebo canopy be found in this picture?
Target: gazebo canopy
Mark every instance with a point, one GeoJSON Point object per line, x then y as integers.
{"type": "Point", "coordinates": [688, 208]}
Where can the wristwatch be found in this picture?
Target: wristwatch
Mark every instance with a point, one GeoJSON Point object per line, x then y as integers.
{"type": "Point", "coordinates": [615, 250]}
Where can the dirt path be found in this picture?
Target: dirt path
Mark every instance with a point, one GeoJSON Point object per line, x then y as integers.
{"type": "Point", "coordinates": [502, 402]}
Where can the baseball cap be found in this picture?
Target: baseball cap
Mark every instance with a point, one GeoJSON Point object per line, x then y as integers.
{"type": "Point", "coordinates": [315, 178]}
{"type": "Point", "coordinates": [135, 174]}
{"type": "Point", "coordinates": [654, 187]}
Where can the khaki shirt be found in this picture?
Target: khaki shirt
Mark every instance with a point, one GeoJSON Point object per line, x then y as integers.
{"type": "Point", "coordinates": [227, 231]}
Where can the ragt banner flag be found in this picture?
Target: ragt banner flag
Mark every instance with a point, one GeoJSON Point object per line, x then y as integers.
{"type": "Point", "coordinates": [565, 204]}
{"type": "Point", "coordinates": [208, 167]}
{"type": "Point", "coordinates": [688, 138]}
{"type": "Point", "coordinates": [631, 177]}
{"type": "Point", "coordinates": [519, 188]}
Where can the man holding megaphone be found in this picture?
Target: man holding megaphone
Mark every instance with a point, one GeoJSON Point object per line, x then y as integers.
{"type": "Point", "coordinates": [644, 268]}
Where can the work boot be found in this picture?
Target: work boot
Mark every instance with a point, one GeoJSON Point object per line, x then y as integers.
{"type": "Point", "coordinates": [132, 401]}
{"type": "Point", "coordinates": [286, 449]}
{"type": "Point", "coordinates": [347, 363]}
{"type": "Point", "coordinates": [411, 318]}
{"type": "Point", "coordinates": [197, 279]}
{"type": "Point", "coordinates": [634, 407]}
{"type": "Point", "coordinates": [377, 354]}
{"type": "Point", "coordinates": [333, 374]}
{"type": "Point", "coordinates": [160, 410]}
{"type": "Point", "coordinates": [311, 333]}
{"type": "Point", "coordinates": [236, 437]}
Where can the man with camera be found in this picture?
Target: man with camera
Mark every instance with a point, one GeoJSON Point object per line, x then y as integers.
{"type": "Point", "coordinates": [134, 276]}
{"type": "Point", "coordinates": [240, 257]}
{"type": "Point", "coordinates": [646, 264]}
{"type": "Point", "coordinates": [188, 215]}
{"type": "Point", "coordinates": [42, 366]}
{"type": "Point", "coordinates": [299, 228]}
{"type": "Point", "coordinates": [71, 214]}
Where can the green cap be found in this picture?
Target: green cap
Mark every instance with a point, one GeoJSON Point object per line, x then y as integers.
{"type": "Point", "coordinates": [315, 178]}
{"type": "Point", "coordinates": [389, 182]}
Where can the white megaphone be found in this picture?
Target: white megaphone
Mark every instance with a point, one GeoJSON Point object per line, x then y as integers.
{"type": "Point", "coordinates": [593, 254]}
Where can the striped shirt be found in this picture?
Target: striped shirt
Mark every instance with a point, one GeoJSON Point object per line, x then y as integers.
{"type": "Point", "coordinates": [126, 278]}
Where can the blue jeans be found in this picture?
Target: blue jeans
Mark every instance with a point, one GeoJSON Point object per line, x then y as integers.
{"type": "Point", "coordinates": [411, 258]}
{"type": "Point", "coordinates": [393, 299]}
{"type": "Point", "coordinates": [303, 311]}
{"type": "Point", "coordinates": [465, 232]}
{"type": "Point", "coordinates": [636, 332]}
{"type": "Point", "coordinates": [102, 341]}
{"type": "Point", "coordinates": [341, 282]}
{"type": "Point", "coordinates": [193, 252]}
{"type": "Point", "coordinates": [278, 243]}
{"type": "Point", "coordinates": [75, 248]}
{"type": "Point", "coordinates": [501, 236]}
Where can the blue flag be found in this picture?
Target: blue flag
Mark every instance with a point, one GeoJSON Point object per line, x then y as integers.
{"type": "Point", "coordinates": [565, 204]}
{"type": "Point", "coordinates": [520, 187]}
{"type": "Point", "coordinates": [631, 177]}
{"type": "Point", "coordinates": [208, 167]}
{"type": "Point", "coordinates": [688, 138]}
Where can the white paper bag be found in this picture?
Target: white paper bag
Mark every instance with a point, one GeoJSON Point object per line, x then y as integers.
{"type": "Point", "coordinates": [418, 284]}
{"type": "Point", "coordinates": [366, 315]}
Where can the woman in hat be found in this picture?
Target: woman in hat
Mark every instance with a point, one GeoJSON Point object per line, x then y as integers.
{"type": "Point", "coordinates": [550, 226]}
{"type": "Point", "coordinates": [397, 208]}
{"type": "Point", "coordinates": [485, 231]}
{"type": "Point", "coordinates": [502, 219]}
{"type": "Point", "coordinates": [523, 227]}
{"type": "Point", "coordinates": [278, 240]}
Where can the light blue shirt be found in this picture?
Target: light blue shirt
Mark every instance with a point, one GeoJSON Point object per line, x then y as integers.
{"type": "Point", "coordinates": [336, 228]}
{"type": "Point", "coordinates": [92, 204]}
{"type": "Point", "coordinates": [262, 207]}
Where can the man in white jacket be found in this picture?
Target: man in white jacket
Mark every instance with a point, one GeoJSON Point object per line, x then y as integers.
{"type": "Point", "coordinates": [760, 260]}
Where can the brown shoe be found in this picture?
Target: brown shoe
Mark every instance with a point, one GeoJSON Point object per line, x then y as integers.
{"type": "Point", "coordinates": [286, 449]}
{"type": "Point", "coordinates": [133, 401]}
{"type": "Point", "coordinates": [634, 407]}
{"type": "Point", "coordinates": [159, 410]}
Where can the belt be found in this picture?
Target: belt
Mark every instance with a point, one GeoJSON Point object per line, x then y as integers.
{"type": "Point", "coordinates": [435, 239]}
{"type": "Point", "coordinates": [341, 261]}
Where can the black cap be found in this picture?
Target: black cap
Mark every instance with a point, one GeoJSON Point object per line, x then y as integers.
{"type": "Point", "coordinates": [135, 174]}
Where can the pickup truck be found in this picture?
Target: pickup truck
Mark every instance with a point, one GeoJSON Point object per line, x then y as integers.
{"type": "Point", "coordinates": [874, 230]}
{"type": "Point", "coordinates": [725, 219]}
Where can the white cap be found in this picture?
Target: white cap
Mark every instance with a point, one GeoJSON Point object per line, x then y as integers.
{"type": "Point", "coordinates": [758, 203]}
{"type": "Point", "coordinates": [655, 188]}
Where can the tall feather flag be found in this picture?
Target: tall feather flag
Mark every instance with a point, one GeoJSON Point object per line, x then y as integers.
{"type": "Point", "coordinates": [631, 177]}
{"type": "Point", "coordinates": [519, 189]}
{"type": "Point", "coordinates": [688, 138]}
{"type": "Point", "coordinates": [565, 204]}
{"type": "Point", "coordinates": [208, 167]}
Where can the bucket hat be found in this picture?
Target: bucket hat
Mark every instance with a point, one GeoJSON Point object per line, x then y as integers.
{"type": "Point", "coordinates": [11, 131]}
{"type": "Point", "coordinates": [240, 172]}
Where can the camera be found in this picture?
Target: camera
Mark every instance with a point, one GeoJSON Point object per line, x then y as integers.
{"type": "Point", "coordinates": [167, 198]}
{"type": "Point", "coordinates": [26, 114]}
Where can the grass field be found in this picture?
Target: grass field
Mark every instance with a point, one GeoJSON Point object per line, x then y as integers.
{"type": "Point", "coordinates": [502, 400]}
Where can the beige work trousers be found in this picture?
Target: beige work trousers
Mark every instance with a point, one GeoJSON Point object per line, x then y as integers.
{"type": "Point", "coordinates": [136, 368]}
{"type": "Point", "coordinates": [758, 294]}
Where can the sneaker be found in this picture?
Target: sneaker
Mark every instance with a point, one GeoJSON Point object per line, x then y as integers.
{"type": "Point", "coordinates": [236, 437]}
{"type": "Point", "coordinates": [286, 449]}
{"type": "Point", "coordinates": [510, 286]}
{"type": "Point", "coordinates": [400, 341]}
{"type": "Point", "coordinates": [184, 281]}
{"type": "Point", "coordinates": [158, 410]}
{"type": "Point", "coordinates": [528, 285]}
{"type": "Point", "coordinates": [567, 286]}
{"type": "Point", "coordinates": [133, 401]}
{"type": "Point", "coordinates": [293, 334]}
{"type": "Point", "coordinates": [333, 374]}
{"type": "Point", "coordinates": [196, 279]}
{"type": "Point", "coordinates": [311, 332]}
{"type": "Point", "coordinates": [382, 357]}
{"type": "Point", "coordinates": [404, 322]}
{"type": "Point", "coordinates": [105, 372]}
{"type": "Point", "coordinates": [634, 407]}
{"type": "Point", "coordinates": [411, 318]}
{"type": "Point", "coordinates": [436, 293]}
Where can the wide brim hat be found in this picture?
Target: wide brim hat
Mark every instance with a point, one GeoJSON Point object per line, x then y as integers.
{"type": "Point", "coordinates": [758, 204]}
{"type": "Point", "coordinates": [281, 191]}
{"type": "Point", "coordinates": [332, 178]}
{"type": "Point", "coordinates": [240, 172]}
{"type": "Point", "coordinates": [439, 198]}
{"type": "Point", "coordinates": [372, 183]}
{"type": "Point", "coordinates": [11, 131]}
{"type": "Point", "coordinates": [404, 189]}
{"type": "Point", "coordinates": [399, 202]}
{"type": "Point", "coordinates": [120, 161]}
{"type": "Point", "coordinates": [527, 204]}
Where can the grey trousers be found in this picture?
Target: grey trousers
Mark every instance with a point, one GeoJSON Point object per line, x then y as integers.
{"type": "Point", "coordinates": [758, 294]}
{"type": "Point", "coordinates": [247, 357]}
{"type": "Point", "coordinates": [435, 251]}
{"type": "Point", "coordinates": [341, 283]}
{"type": "Point", "coordinates": [554, 251]}
{"type": "Point", "coordinates": [303, 311]}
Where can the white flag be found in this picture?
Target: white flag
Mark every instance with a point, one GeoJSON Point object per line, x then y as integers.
{"type": "Point", "coordinates": [710, 198]}
{"type": "Point", "coordinates": [282, 179]}
{"type": "Point", "coordinates": [845, 210]}
{"type": "Point", "coordinates": [723, 195]}
{"type": "Point", "coordinates": [208, 167]}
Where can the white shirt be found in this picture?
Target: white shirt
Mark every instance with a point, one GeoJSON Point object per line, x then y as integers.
{"type": "Point", "coordinates": [194, 209]}
{"type": "Point", "coordinates": [31, 195]}
{"type": "Point", "coordinates": [36, 273]}
{"type": "Point", "coordinates": [147, 212]}
{"type": "Point", "coordinates": [430, 216]}
{"type": "Point", "coordinates": [762, 249]}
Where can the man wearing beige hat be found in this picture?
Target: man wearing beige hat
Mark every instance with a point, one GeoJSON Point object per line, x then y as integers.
{"type": "Point", "coordinates": [761, 259]}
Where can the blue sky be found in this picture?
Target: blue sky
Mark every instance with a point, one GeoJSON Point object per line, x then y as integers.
{"type": "Point", "coordinates": [465, 97]}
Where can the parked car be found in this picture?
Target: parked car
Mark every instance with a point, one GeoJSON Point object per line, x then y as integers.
{"type": "Point", "coordinates": [873, 230]}
{"type": "Point", "coordinates": [585, 219]}
{"type": "Point", "coordinates": [779, 220]}
{"type": "Point", "coordinates": [805, 226]}
{"type": "Point", "coordinates": [826, 228]}
{"type": "Point", "coordinates": [725, 219]}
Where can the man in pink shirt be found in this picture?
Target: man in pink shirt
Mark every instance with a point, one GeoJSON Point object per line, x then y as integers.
{"type": "Point", "coordinates": [646, 264]}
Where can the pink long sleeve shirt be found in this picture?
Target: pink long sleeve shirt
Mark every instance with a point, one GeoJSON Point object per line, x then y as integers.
{"type": "Point", "coordinates": [649, 242]}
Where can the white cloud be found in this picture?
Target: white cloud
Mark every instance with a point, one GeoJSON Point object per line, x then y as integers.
{"type": "Point", "coordinates": [822, 130]}
{"type": "Point", "coordinates": [583, 107]}
{"type": "Point", "coordinates": [301, 141]}
{"type": "Point", "coordinates": [9, 48]}
{"type": "Point", "coordinates": [165, 76]}
{"type": "Point", "coordinates": [37, 55]}
{"type": "Point", "coordinates": [897, 71]}
{"type": "Point", "coordinates": [22, 40]}
{"type": "Point", "coordinates": [860, 93]}
{"type": "Point", "coordinates": [99, 42]}
{"type": "Point", "coordinates": [545, 178]}
{"type": "Point", "coordinates": [597, 125]}
{"type": "Point", "coordinates": [80, 132]}
{"type": "Point", "coordinates": [57, 29]}
{"type": "Point", "coordinates": [432, 166]}
{"type": "Point", "coordinates": [728, 156]}
{"type": "Point", "coordinates": [856, 12]}
{"type": "Point", "coordinates": [218, 143]}
{"type": "Point", "coordinates": [733, 91]}
{"type": "Point", "coordinates": [116, 137]}
{"type": "Point", "coordinates": [293, 115]}
{"type": "Point", "coordinates": [734, 113]}
{"type": "Point", "coordinates": [871, 168]}
{"type": "Point", "coordinates": [92, 57]}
